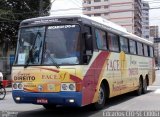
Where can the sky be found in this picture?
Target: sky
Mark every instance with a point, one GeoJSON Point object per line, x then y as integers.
{"type": "Point", "coordinates": [66, 6]}
{"type": "Point", "coordinates": [74, 6]}
{"type": "Point", "coordinates": [154, 13]}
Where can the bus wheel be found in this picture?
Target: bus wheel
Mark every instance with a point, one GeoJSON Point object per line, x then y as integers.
{"type": "Point", "coordinates": [101, 98]}
{"type": "Point", "coordinates": [144, 90]}
{"type": "Point", "coordinates": [49, 106]}
{"type": "Point", "coordinates": [140, 88]}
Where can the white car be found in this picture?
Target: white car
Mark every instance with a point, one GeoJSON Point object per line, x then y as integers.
{"type": "Point", "coordinates": [1, 76]}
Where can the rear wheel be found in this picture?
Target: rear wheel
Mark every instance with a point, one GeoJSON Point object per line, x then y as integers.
{"type": "Point", "coordinates": [102, 95]}
{"type": "Point", "coordinates": [2, 93]}
{"type": "Point", "coordinates": [49, 106]}
{"type": "Point", "coordinates": [144, 90]}
{"type": "Point", "coordinates": [140, 88]}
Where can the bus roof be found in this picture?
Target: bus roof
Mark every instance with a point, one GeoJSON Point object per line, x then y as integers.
{"type": "Point", "coordinates": [103, 22]}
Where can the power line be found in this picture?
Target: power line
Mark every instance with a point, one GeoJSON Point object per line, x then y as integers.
{"type": "Point", "coordinates": [80, 8]}
{"type": "Point", "coordinates": [48, 6]}
{"type": "Point", "coordinates": [74, 2]}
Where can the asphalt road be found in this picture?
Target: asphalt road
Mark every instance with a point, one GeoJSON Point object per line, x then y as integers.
{"type": "Point", "coordinates": [127, 102]}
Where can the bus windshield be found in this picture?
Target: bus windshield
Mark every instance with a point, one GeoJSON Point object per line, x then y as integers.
{"type": "Point", "coordinates": [49, 45]}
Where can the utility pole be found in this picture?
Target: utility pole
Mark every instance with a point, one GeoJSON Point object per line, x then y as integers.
{"type": "Point", "coordinates": [40, 7]}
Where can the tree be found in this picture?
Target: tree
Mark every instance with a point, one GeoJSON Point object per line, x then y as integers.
{"type": "Point", "coordinates": [12, 12]}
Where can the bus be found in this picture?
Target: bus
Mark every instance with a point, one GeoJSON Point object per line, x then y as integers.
{"type": "Point", "coordinates": [76, 60]}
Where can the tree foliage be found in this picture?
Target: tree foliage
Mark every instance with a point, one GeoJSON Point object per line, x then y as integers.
{"type": "Point", "coordinates": [12, 12]}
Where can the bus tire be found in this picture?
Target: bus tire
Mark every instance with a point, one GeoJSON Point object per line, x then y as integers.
{"type": "Point", "coordinates": [140, 88]}
{"type": "Point", "coordinates": [49, 106]}
{"type": "Point", "coordinates": [102, 95]}
{"type": "Point", "coordinates": [144, 90]}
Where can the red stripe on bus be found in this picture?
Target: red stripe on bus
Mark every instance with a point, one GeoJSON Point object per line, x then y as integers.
{"type": "Point", "coordinates": [75, 79]}
{"type": "Point", "coordinates": [91, 78]}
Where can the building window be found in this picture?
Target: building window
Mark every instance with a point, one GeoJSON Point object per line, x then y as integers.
{"type": "Point", "coordinates": [101, 39]}
{"type": "Point", "coordinates": [140, 48]}
{"type": "Point", "coordinates": [97, 7]}
{"type": "Point", "coordinates": [113, 42]}
{"type": "Point", "coordinates": [106, 14]}
{"type": "Point", "coordinates": [88, 8]}
{"type": "Point", "coordinates": [124, 44]}
{"type": "Point", "coordinates": [97, 0]}
{"type": "Point", "coordinates": [132, 46]}
{"type": "Point", "coordinates": [88, 2]}
{"type": "Point", "coordinates": [106, 7]}
{"type": "Point", "coordinates": [97, 14]}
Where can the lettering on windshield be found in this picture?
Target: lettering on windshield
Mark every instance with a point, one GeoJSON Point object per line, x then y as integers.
{"type": "Point", "coordinates": [62, 27]}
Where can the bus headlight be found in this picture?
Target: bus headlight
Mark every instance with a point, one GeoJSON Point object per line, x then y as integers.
{"type": "Point", "coordinates": [17, 86]}
{"type": "Point", "coordinates": [14, 86]}
{"type": "Point", "coordinates": [72, 87]}
{"type": "Point", "coordinates": [64, 87]}
{"type": "Point", "coordinates": [68, 87]}
{"type": "Point", "coordinates": [20, 86]}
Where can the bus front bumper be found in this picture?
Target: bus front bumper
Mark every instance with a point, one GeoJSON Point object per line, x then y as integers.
{"type": "Point", "coordinates": [60, 98]}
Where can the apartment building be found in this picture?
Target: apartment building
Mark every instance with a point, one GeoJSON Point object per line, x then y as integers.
{"type": "Point", "coordinates": [145, 20]}
{"type": "Point", "coordinates": [157, 51]}
{"type": "Point", "coordinates": [127, 13]}
{"type": "Point", "coordinates": [154, 31]}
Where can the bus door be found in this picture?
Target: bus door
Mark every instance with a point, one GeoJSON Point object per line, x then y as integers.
{"type": "Point", "coordinates": [117, 80]}
{"type": "Point", "coordinates": [133, 71]}
{"type": "Point", "coordinates": [127, 81]}
{"type": "Point", "coordinates": [133, 65]}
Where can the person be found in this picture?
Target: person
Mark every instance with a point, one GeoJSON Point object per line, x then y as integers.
{"type": "Point", "coordinates": [1, 79]}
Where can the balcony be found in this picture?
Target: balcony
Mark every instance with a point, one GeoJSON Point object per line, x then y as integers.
{"type": "Point", "coordinates": [93, 11]}
{"type": "Point", "coordinates": [138, 7]}
{"type": "Point", "coordinates": [95, 4]}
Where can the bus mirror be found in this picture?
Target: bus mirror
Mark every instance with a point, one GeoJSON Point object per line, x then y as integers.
{"type": "Point", "coordinates": [88, 36]}
{"type": "Point", "coordinates": [88, 41]}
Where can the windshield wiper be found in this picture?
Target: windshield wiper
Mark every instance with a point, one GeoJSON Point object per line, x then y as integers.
{"type": "Point", "coordinates": [53, 61]}
{"type": "Point", "coordinates": [30, 57]}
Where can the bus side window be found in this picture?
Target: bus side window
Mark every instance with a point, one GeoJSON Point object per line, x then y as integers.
{"type": "Point", "coordinates": [113, 42]}
{"type": "Point", "coordinates": [101, 39]}
{"type": "Point", "coordinates": [145, 50]}
{"type": "Point", "coordinates": [87, 31]}
{"type": "Point", "coordinates": [88, 44]}
{"type": "Point", "coordinates": [124, 44]}
{"type": "Point", "coordinates": [132, 47]}
{"type": "Point", "coordinates": [140, 48]}
{"type": "Point", "coordinates": [151, 51]}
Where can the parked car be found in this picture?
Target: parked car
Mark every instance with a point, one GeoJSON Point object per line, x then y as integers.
{"type": "Point", "coordinates": [1, 76]}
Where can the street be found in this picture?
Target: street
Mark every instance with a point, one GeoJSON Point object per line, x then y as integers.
{"type": "Point", "coordinates": [127, 102]}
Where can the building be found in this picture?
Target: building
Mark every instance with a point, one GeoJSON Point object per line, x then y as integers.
{"type": "Point", "coordinates": [154, 31]}
{"type": "Point", "coordinates": [157, 50]}
{"type": "Point", "coordinates": [127, 13]}
{"type": "Point", "coordinates": [145, 20]}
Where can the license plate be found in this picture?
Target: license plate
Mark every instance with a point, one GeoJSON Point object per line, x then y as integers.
{"type": "Point", "coordinates": [42, 101]}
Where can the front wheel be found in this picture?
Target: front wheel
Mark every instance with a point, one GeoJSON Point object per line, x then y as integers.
{"type": "Point", "coordinates": [2, 93]}
{"type": "Point", "coordinates": [102, 95]}
{"type": "Point", "coordinates": [49, 106]}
